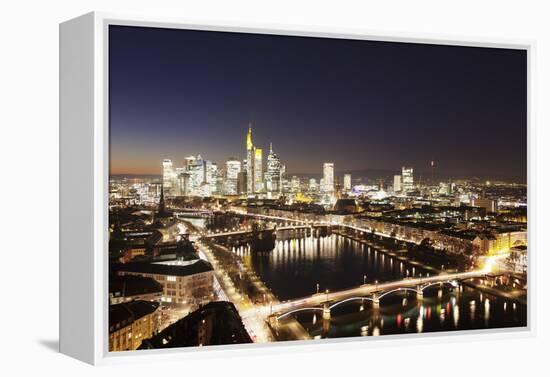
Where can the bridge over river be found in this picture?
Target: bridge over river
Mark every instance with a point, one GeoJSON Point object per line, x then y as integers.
{"type": "Point", "coordinates": [325, 301]}
{"type": "Point", "coordinates": [243, 232]}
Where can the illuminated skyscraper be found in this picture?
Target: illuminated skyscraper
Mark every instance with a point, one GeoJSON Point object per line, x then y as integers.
{"type": "Point", "coordinates": [176, 190]}
{"type": "Point", "coordinates": [285, 185]}
{"type": "Point", "coordinates": [295, 184]}
{"type": "Point", "coordinates": [313, 187]}
{"type": "Point", "coordinates": [396, 183]}
{"type": "Point", "coordinates": [241, 182]}
{"type": "Point", "coordinates": [169, 177]}
{"type": "Point", "coordinates": [347, 182]}
{"type": "Point", "coordinates": [196, 171]}
{"type": "Point", "coordinates": [211, 176]}
{"type": "Point", "coordinates": [258, 170]}
{"type": "Point", "coordinates": [189, 160]}
{"type": "Point", "coordinates": [407, 179]}
{"type": "Point", "coordinates": [249, 162]}
{"type": "Point", "coordinates": [328, 177]}
{"type": "Point", "coordinates": [183, 183]}
{"type": "Point", "coordinates": [232, 170]}
{"type": "Point", "coordinates": [273, 173]}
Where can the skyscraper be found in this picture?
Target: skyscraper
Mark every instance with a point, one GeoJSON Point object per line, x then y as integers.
{"type": "Point", "coordinates": [211, 176]}
{"type": "Point", "coordinates": [396, 183]}
{"type": "Point", "coordinates": [168, 177]}
{"type": "Point", "coordinates": [249, 162]}
{"type": "Point", "coordinates": [407, 179]}
{"type": "Point", "coordinates": [258, 170]}
{"type": "Point", "coordinates": [313, 185]}
{"type": "Point", "coordinates": [196, 171]}
{"type": "Point", "coordinates": [232, 170]}
{"type": "Point", "coordinates": [295, 184]}
{"type": "Point", "coordinates": [183, 184]}
{"type": "Point", "coordinates": [241, 182]}
{"type": "Point", "coordinates": [328, 177]}
{"type": "Point", "coordinates": [347, 182]}
{"type": "Point", "coordinates": [273, 173]}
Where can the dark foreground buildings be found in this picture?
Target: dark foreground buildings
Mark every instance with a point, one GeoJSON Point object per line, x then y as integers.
{"type": "Point", "coordinates": [214, 324]}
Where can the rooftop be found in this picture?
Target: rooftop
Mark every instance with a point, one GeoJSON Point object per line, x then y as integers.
{"type": "Point", "coordinates": [172, 268]}
{"type": "Point", "coordinates": [219, 320]}
{"type": "Point", "coordinates": [128, 286]}
{"type": "Point", "coordinates": [122, 315]}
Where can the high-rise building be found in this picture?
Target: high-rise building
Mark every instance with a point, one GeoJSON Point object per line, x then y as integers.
{"type": "Point", "coordinates": [183, 184]}
{"type": "Point", "coordinates": [284, 180]}
{"type": "Point", "coordinates": [258, 170]}
{"type": "Point", "coordinates": [273, 173]}
{"type": "Point", "coordinates": [328, 177]}
{"type": "Point", "coordinates": [211, 176]}
{"type": "Point", "coordinates": [482, 201]}
{"type": "Point", "coordinates": [445, 188]}
{"type": "Point", "coordinates": [347, 182]}
{"type": "Point", "coordinates": [188, 161]}
{"type": "Point", "coordinates": [241, 182]}
{"type": "Point", "coordinates": [197, 176]}
{"type": "Point", "coordinates": [407, 179]}
{"type": "Point", "coordinates": [232, 170]}
{"type": "Point", "coordinates": [313, 187]}
{"type": "Point", "coordinates": [249, 162]}
{"type": "Point", "coordinates": [396, 183]}
{"type": "Point", "coordinates": [169, 178]}
{"type": "Point", "coordinates": [295, 184]}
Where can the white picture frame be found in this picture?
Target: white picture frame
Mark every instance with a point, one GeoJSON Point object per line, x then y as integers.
{"type": "Point", "coordinates": [84, 173]}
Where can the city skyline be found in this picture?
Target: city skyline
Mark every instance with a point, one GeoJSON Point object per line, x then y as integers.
{"type": "Point", "coordinates": [377, 113]}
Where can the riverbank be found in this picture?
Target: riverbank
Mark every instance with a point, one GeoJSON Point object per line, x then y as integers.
{"type": "Point", "coordinates": [250, 295]}
{"type": "Point", "coordinates": [518, 296]}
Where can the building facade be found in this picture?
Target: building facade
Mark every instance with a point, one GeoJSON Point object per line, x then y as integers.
{"type": "Point", "coordinates": [347, 182]}
{"type": "Point", "coordinates": [396, 183]}
{"type": "Point", "coordinates": [131, 323]}
{"type": "Point", "coordinates": [232, 170]}
{"type": "Point", "coordinates": [258, 170]}
{"type": "Point", "coordinates": [273, 173]}
{"type": "Point", "coordinates": [328, 178]}
{"type": "Point", "coordinates": [183, 282]}
{"type": "Point", "coordinates": [407, 179]}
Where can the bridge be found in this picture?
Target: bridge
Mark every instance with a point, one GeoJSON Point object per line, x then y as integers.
{"type": "Point", "coordinates": [240, 232]}
{"type": "Point", "coordinates": [325, 302]}
{"type": "Point", "coordinates": [192, 213]}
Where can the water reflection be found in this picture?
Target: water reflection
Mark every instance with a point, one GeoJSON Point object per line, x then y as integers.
{"type": "Point", "coordinates": [296, 267]}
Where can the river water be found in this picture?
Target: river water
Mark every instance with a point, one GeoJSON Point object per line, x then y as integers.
{"type": "Point", "coordinates": [299, 267]}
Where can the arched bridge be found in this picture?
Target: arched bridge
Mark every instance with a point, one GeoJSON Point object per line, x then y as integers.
{"type": "Point", "coordinates": [325, 302]}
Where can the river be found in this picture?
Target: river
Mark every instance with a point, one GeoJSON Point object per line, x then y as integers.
{"type": "Point", "coordinates": [298, 267]}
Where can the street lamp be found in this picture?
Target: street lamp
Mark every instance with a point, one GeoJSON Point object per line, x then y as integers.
{"type": "Point", "coordinates": [317, 287]}
{"type": "Point", "coordinates": [376, 284]}
{"type": "Point", "coordinates": [364, 279]}
{"type": "Point", "coordinates": [326, 291]}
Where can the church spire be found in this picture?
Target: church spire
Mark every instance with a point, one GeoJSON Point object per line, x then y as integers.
{"type": "Point", "coordinates": [161, 201]}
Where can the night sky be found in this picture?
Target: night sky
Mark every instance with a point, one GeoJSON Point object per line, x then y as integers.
{"type": "Point", "coordinates": [360, 104]}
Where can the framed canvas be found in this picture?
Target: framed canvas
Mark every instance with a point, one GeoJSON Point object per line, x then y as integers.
{"type": "Point", "coordinates": [232, 189]}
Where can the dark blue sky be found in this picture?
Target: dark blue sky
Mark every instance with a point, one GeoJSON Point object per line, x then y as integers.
{"type": "Point", "coordinates": [360, 104]}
